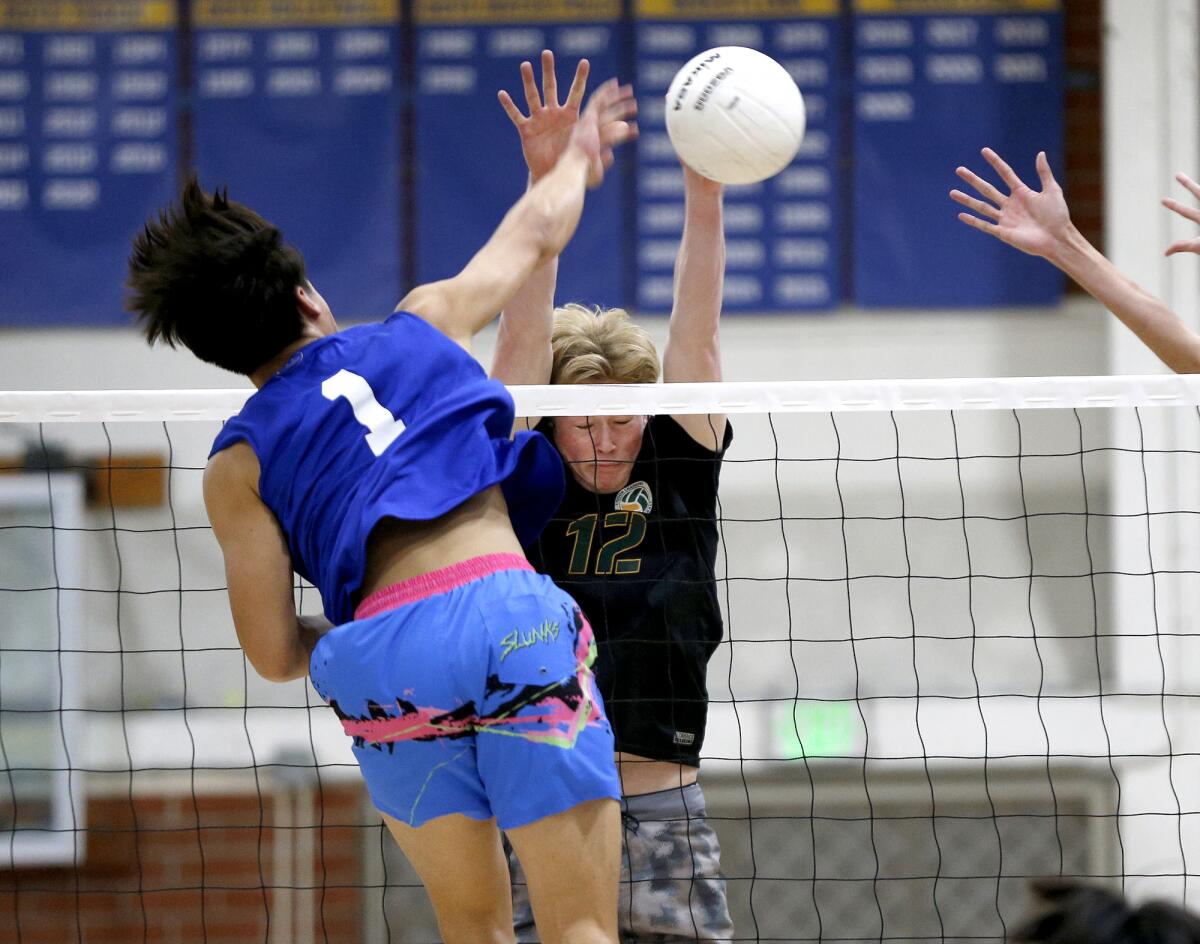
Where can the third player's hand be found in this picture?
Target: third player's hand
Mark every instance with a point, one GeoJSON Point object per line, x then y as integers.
{"type": "Point", "coordinates": [1038, 223]}
{"type": "Point", "coordinates": [1188, 213]}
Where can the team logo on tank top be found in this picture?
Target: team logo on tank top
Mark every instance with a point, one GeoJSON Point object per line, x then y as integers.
{"type": "Point", "coordinates": [634, 497]}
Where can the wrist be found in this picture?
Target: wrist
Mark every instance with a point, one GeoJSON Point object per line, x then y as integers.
{"type": "Point", "coordinates": [1070, 249]}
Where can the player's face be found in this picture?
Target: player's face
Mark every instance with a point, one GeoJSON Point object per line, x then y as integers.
{"type": "Point", "coordinates": [600, 450]}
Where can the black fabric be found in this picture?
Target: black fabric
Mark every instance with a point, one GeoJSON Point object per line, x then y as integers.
{"type": "Point", "coordinates": [655, 612]}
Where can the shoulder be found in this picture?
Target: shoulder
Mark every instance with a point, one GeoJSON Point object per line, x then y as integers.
{"type": "Point", "coordinates": [433, 304]}
{"type": "Point", "coordinates": [231, 478]}
{"type": "Point", "coordinates": [234, 464]}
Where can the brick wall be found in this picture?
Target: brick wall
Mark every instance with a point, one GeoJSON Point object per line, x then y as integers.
{"type": "Point", "coordinates": [173, 869]}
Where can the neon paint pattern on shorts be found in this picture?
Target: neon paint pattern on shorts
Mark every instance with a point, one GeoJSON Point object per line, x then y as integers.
{"type": "Point", "coordinates": [553, 714]}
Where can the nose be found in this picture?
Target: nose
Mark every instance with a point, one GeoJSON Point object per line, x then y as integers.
{"type": "Point", "coordinates": [604, 439]}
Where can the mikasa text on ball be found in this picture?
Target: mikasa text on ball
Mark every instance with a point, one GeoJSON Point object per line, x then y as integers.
{"type": "Point", "coordinates": [735, 115]}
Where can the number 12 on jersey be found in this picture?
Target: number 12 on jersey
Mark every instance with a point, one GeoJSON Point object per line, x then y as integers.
{"type": "Point", "coordinates": [631, 528]}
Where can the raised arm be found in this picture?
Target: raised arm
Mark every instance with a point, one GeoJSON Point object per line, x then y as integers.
{"type": "Point", "coordinates": [536, 228]}
{"type": "Point", "coordinates": [523, 353]}
{"type": "Point", "coordinates": [693, 351]}
{"type": "Point", "coordinates": [1039, 224]}
{"type": "Point", "coordinates": [258, 570]}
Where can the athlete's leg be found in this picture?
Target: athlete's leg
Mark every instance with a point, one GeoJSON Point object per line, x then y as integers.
{"type": "Point", "coordinates": [461, 863]}
{"type": "Point", "coordinates": [675, 889]}
{"type": "Point", "coordinates": [523, 925]}
{"type": "Point", "coordinates": [545, 757]}
{"type": "Point", "coordinates": [571, 861]}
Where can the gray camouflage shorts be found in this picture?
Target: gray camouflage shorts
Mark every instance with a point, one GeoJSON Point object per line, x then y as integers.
{"type": "Point", "coordinates": [671, 884]}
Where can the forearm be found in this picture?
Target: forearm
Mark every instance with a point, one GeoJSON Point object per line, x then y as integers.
{"type": "Point", "coordinates": [288, 660]}
{"type": "Point", "coordinates": [544, 219]}
{"type": "Point", "coordinates": [1155, 324]}
{"type": "Point", "coordinates": [534, 231]}
{"type": "Point", "coordinates": [693, 347]}
{"type": "Point", "coordinates": [539, 225]}
{"type": "Point", "coordinates": [523, 353]}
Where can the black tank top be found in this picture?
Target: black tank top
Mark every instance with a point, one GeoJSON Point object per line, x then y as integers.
{"type": "Point", "coordinates": [640, 563]}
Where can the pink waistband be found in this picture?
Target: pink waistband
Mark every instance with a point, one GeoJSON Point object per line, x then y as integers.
{"type": "Point", "coordinates": [437, 581]}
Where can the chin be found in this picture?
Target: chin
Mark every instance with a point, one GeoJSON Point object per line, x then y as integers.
{"type": "Point", "coordinates": [604, 482]}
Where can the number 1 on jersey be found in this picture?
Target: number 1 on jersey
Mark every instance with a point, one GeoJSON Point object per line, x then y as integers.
{"type": "Point", "coordinates": [382, 427]}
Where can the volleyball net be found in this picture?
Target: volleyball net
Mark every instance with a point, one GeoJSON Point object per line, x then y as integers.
{"type": "Point", "coordinates": [960, 652]}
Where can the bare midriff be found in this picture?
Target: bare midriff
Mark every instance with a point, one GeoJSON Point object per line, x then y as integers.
{"type": "Point", "coordinates": [642, 775]}
{"type": "Point", "coordinates": [398, 550]}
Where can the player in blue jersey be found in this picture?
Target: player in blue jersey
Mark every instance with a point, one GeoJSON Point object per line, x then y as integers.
{"type": "Point", "coordinates": [378, 462]}
{"type": "Point", "coordinates": [635, 538]}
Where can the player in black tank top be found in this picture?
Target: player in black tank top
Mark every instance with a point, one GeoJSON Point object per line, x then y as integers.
{"type": "Point", "coordinates": [640, 562]}
{"type": "Point", "coordinates": [636, 538]}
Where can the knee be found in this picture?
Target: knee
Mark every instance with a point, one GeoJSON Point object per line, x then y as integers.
{"type": "Point", "coordinates": [475, 922]}
{"type": "Point", "coordinates": [579, 931]}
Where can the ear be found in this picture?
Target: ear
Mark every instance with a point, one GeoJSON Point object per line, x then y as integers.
{"type": "Point", "coordinates": [307, 304]}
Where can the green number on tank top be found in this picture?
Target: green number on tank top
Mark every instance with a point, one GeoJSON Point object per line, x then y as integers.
{"type": "Point", "coordinates": [584, 529]}
{"type": "Point", "coordinates": [581, 529]}
{"type": "Point", "coordinates": [382, 427]}
{"type": "Point", "coordinates": [634, 523]}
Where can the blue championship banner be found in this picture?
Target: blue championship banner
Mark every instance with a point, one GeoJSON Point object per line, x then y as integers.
{"type": "Point", "coordinates": [783, 236]}
{"type": "Point", "coordinates": [936, 81]}
{"type": "Point", "coordinates": [469, 164]}
{"type": "Point", "coordinates": [297, 110]}
{"type": "Point", "coordinates": [87, 151]}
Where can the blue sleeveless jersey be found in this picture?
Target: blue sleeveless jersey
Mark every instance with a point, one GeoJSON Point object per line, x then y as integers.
{"type": "Point", "coordinates": [385, 420]}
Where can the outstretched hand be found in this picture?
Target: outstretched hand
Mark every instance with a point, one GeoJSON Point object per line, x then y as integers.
{"type": "Point", "coordinates": [1188, 213]}
{"type": "Point", "coordinates": [1036, 223]}
{"type": "Point", "coordinates": [546, 130]}
{"type": "Point", "coordinates": [603, 125]}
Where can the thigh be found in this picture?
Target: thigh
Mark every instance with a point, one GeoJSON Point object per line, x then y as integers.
{"type": "Point", "coordinates": [674, 890]}
{"type": "Point", "coordinates": [461, 863]}
{"type": "Point", "coordinates": [571, 862]}
{"type": "Point", "coordinates": [523, 924]}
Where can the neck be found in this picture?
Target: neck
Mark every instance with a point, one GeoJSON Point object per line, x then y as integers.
{"type": "Point", "coordinates": [275, 364]}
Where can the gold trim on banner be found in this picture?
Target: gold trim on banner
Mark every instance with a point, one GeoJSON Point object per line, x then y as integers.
{"type": "Point", "coordinates": [957, 6]}
{"type": "Point", "coordinates": [488, 12]}
{"type": "Point", "coordinates": [94, 15]}
{"type": "Point", "coordinates": [210, 14]}
{"type": "Point", "coordinates": [733, 9]}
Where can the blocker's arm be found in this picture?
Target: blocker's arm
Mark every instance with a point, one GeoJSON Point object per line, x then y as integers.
{"type": "Point", "coordinates": [693, 352]}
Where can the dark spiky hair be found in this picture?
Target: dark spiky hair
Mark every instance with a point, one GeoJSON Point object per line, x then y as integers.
{"type": "Point", "coordinates": [213, 275]}
{"type": "Point", "coordinates": [1072, 912]}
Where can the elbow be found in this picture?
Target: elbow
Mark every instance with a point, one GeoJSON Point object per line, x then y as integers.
{"type": "Point", "coordinates": [1186, 360]}
{"type": "Point", "coordinates": [276, 668]}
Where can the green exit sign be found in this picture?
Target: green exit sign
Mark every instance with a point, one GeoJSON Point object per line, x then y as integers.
{"type": "Point", "coordinates": [817, 729]}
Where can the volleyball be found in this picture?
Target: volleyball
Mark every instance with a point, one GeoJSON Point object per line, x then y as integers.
{"type": "Point", "coordinates": [735, 115]}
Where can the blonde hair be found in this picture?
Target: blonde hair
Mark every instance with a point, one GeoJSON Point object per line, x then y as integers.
{"type": "Point", "coordinates": [600, 345]}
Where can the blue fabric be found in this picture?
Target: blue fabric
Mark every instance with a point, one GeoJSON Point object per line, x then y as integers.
{"type": "Point", "coordinates": [328, 489]}
{"type": "Point", "coordinates": [479, 700]}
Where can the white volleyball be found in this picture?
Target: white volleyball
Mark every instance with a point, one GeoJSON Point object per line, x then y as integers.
{"type": "Point", "coordinates": [735, 115]}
